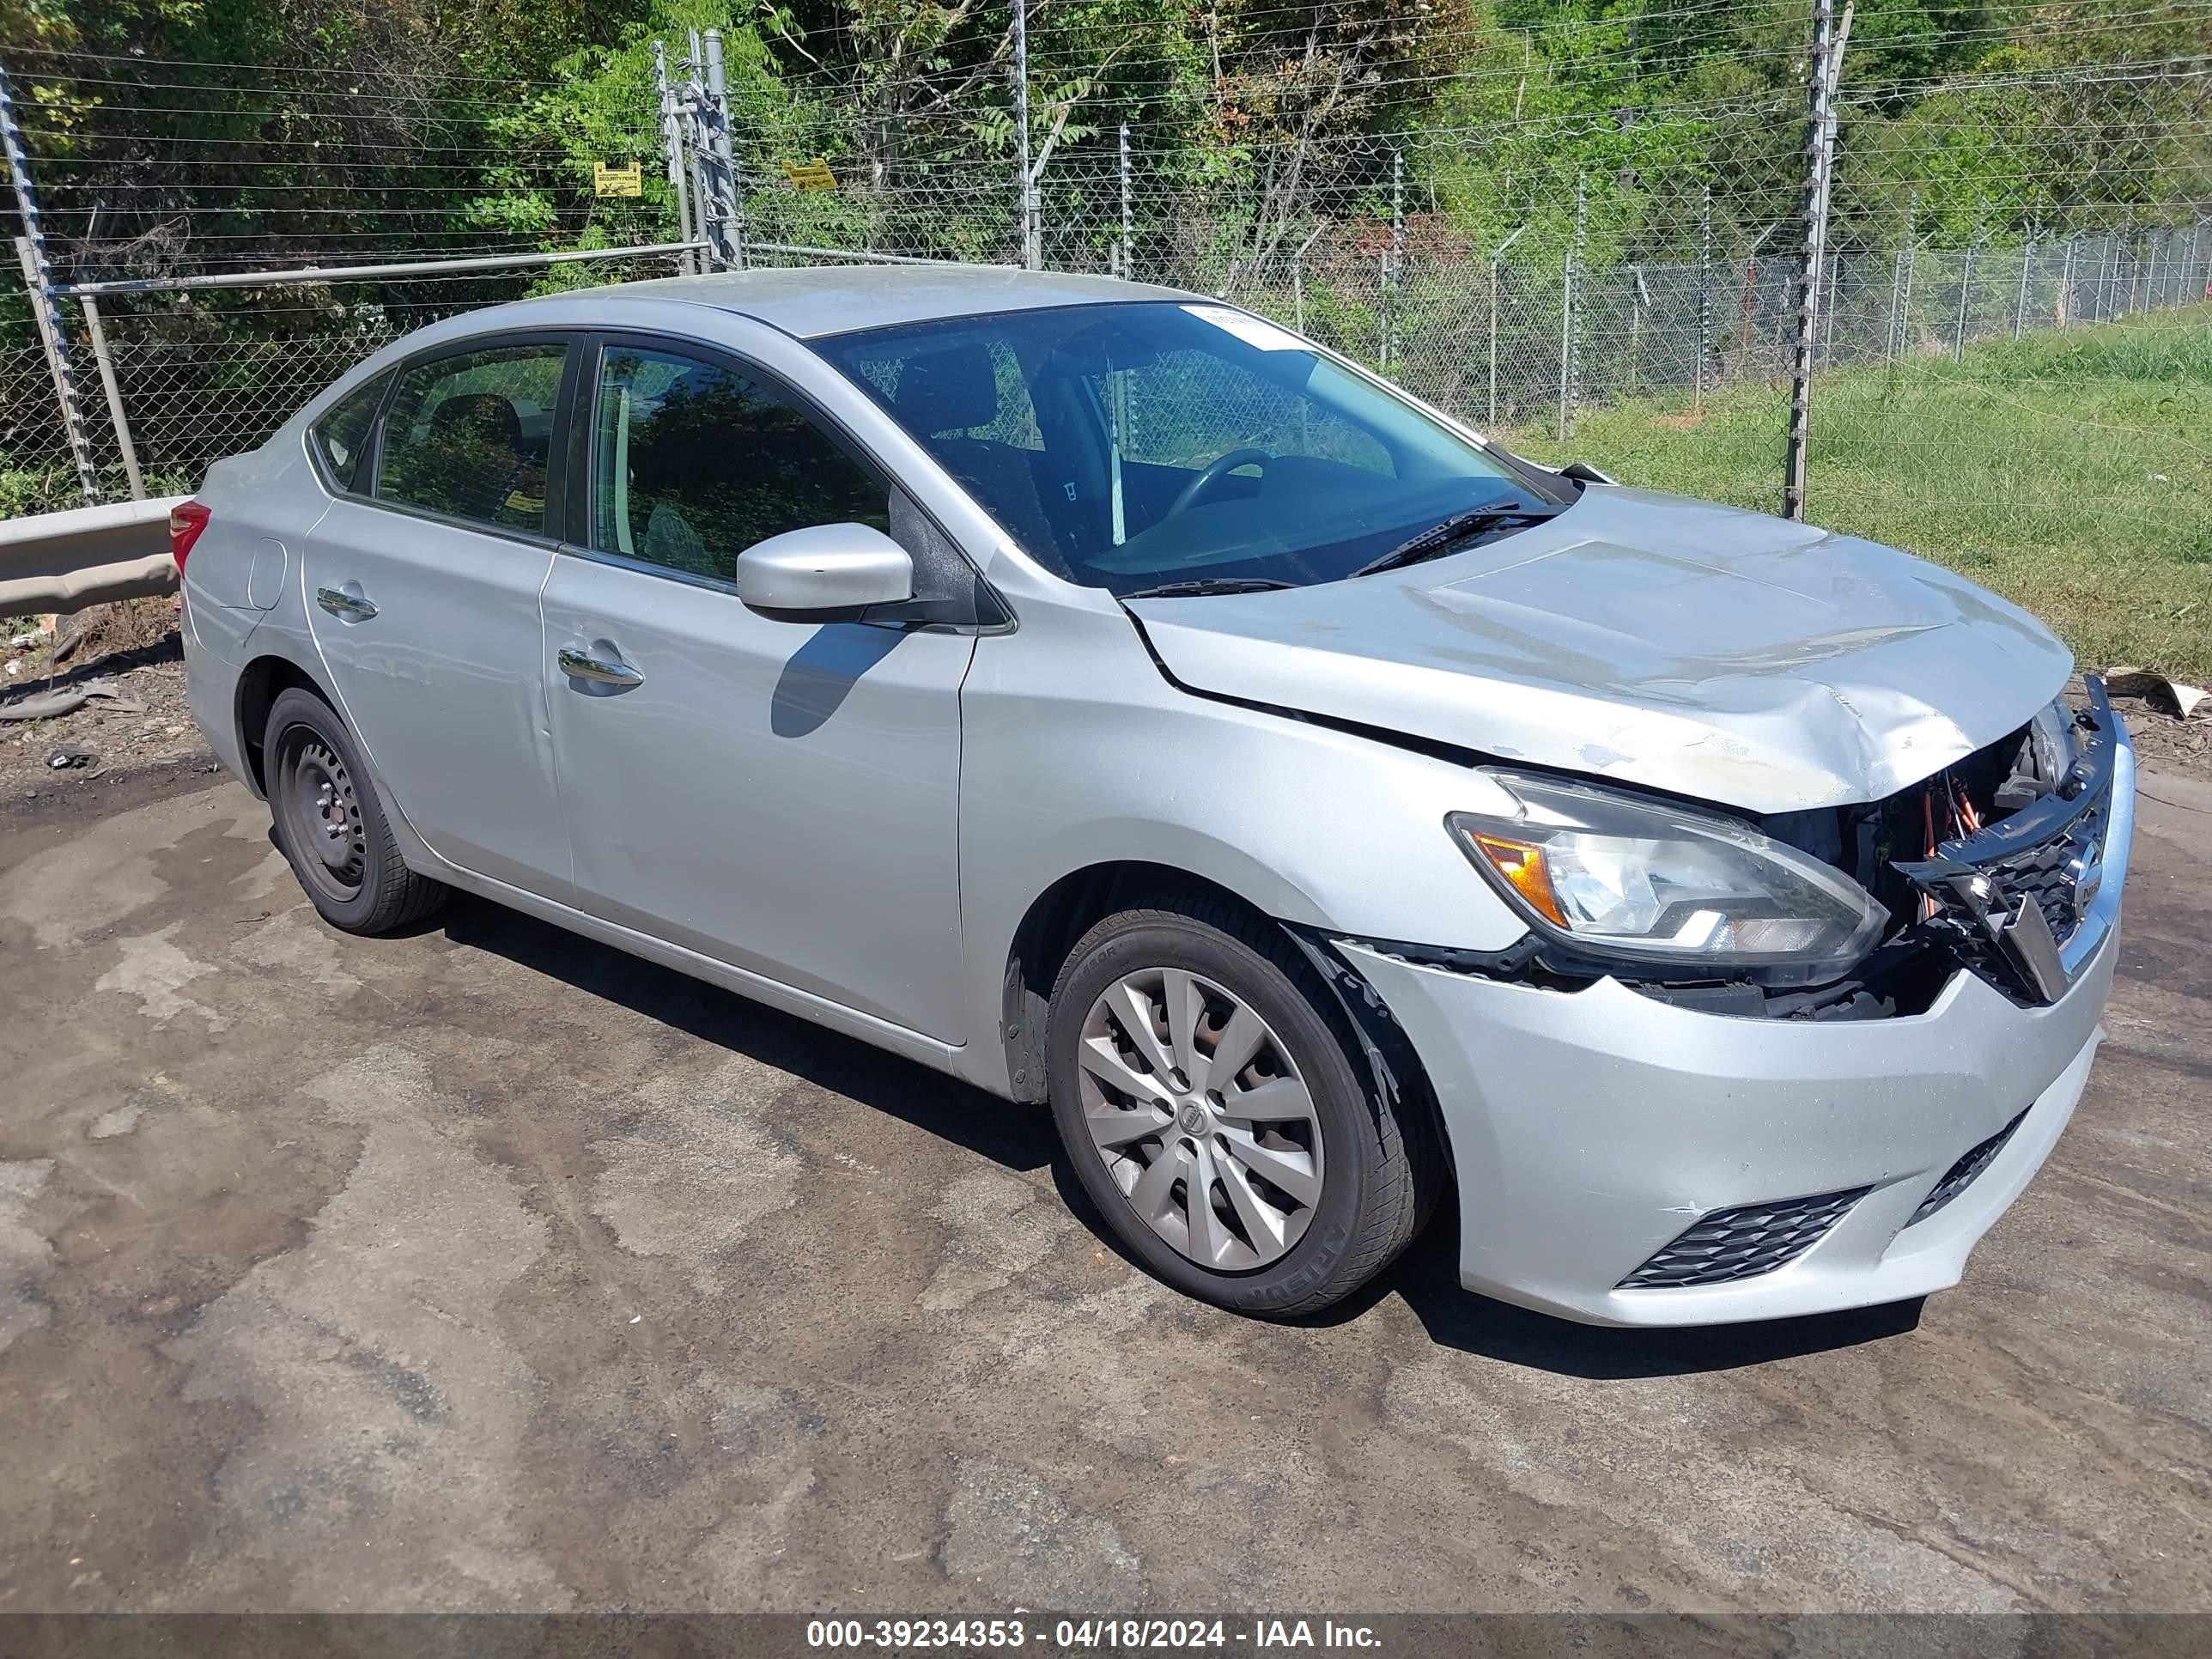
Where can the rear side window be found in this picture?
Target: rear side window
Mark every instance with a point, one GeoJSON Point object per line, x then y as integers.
{"type": "Point", "coordinates": [343, 434]}
{"type": "Point", "coordinates": [468, 435]}
{"type": "Point", "coordinates": [694, 462]}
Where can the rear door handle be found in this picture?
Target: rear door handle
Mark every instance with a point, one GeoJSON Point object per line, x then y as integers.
{"type": "Point", "coordinates": [347, 603]}
{"type": "Point", "coordinates": [580, 666]}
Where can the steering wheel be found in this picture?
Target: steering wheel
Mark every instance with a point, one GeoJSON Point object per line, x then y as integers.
{"type": "Point", "coordinates": [1221, 468]}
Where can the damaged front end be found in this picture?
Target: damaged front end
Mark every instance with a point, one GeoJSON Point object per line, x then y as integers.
{"type": "Point", "coordinates": [1994, 866]}
{"type": "Point", "coordinates": [2006, 892]}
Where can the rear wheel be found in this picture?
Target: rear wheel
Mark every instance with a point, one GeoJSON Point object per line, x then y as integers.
{"type": "Point", "coordinates": [1219, 1118]}
{"type": "Point", "coordinates": [328, 822]}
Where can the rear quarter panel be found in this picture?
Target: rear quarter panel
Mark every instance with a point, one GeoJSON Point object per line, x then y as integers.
{"type": "Point", "coordinates": [261, 508]}
{"type": "Point", "coordinates": [242, 593]}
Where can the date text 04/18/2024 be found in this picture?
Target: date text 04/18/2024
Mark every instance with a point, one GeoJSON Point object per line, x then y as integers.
{"type": "Point", "coordinates": [1084, 1635]}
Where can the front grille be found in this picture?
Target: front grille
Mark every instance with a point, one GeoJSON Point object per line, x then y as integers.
{"type": "Point", "coordinates": [2047, 873]}
{"type": "Point", "coordinates": [1742, 1243]}
{"type": "Point", "coordinates": [1961, 1175]}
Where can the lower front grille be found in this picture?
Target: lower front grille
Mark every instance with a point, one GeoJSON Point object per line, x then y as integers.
{"type": "Point", "coordinates": [1742, 1243]}
{"type": "Point", "coordinates": [1961, 1175]}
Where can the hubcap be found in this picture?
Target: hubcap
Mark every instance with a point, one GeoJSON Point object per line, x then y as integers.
{"type": "Point", "coordinates": [325, 814]}
{"type": "Point", "coordinates": [1201, 1117]}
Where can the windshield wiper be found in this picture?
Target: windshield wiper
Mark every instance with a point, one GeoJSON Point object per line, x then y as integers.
{"type": "Point", "coordinates": [1440, 538]}
{"type": "Point", "coordinates": [1202, 586]}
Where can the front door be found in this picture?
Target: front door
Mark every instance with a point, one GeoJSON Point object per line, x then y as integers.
{"type": "Point", "coordinates": [424, 600]}
{"type": "Point", "coordinates": [779, 796]}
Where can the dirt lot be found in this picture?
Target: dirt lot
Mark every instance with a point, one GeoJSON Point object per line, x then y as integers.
{"type": "Point", "coordinates": [124, 665]}
{"type": "Point", "coordinates": [487, 1268]}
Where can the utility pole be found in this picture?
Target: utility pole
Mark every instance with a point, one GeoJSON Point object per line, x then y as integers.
{"type": "Point", "coordinates": [726, 170]}
{"type": "Point", "coordinates": [1901, 285]}
{"type": "Point", "coordinates": [1705, 303]}
{"type": "Point", "coordinates": [2126, 297]}
{"type": "Point", "coordinates": [1025, 179]}
{"type": "Point", "coordinates": [1820, 163]}
{"type": "Point", "coordinates": [1828, 315]}
{"type": "Point", "coordinates": [672, 138]}
{"type": "Point", "coordinates": [1128, 258]}
{"type": "Point", "coordinates": [692, 99]}
{"type": "Point", "coordinates": [1395, 271]}
{"type": "Point", "coordinates": [1298, 283]}
{"type": "Point", "coordinates": [1496, 258]}
{"type": "Point", "coordinates": [1966, 294]}
{"type": "Point", "coordinates": [1570, 328]}
{"type": "Point", "coordinates": [46, 307]}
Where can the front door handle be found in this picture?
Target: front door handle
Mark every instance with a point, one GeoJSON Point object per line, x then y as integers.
{"type": "Point", "coordinates": [580, 666]}
{"type": "Point", "coordinates": [347, 603]}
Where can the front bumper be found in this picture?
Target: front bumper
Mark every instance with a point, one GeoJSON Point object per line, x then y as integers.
{"type": "Point", "coordinates": [1591, 1129]}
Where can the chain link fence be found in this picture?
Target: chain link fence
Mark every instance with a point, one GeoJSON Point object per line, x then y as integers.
{"type": "Point", "coordinates": [209, 372]}
{"type": "Point", "coordinates": [2011, 323]}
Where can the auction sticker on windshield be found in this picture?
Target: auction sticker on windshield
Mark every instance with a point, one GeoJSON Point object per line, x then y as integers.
{"type": "Point", "coordinates": [1253, 331]}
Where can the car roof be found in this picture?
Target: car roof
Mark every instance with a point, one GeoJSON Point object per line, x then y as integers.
{"type": "Point", "coordinates": [811, 301]}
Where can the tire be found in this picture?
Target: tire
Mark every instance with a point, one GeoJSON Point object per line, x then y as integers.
{"type": "Point", "coordinates": [1349, 1201]}
{"type": "Point", "coordinates": [322, 801]}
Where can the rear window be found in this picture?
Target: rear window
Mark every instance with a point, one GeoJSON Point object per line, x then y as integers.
{"type": "Point", "coordinates": [469, 436]}
{"type": "Point", "coordinates": [343, 434]}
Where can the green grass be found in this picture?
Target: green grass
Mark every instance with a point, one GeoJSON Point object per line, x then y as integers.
{"type": "Point", "coordinates": [2071, 471]}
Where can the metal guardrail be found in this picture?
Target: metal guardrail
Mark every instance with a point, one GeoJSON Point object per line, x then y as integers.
{"type": "Point", "coordinates": [64, 561]}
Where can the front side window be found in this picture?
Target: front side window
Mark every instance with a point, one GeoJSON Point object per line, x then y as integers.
{"type": "Point", "coordinates": [1134, 446]}
{"type": "Point", "coordinates": [468, 435]}
{"type": "Point", "coordinates": [341, 435]}
{"type": "Point", "coordinates": [694, 462]}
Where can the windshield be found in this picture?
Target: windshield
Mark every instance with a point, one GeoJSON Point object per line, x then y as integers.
{"type": "Point", "coordinates": [1135, 447]}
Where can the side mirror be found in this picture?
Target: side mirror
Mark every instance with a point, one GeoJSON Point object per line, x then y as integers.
{"type": "Point", "coordinates": [825, 573]}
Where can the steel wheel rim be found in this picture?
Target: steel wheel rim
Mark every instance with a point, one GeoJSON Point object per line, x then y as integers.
{"type": "Point", "coordinates": [325, 813]}
{"type": "Point", "coordinates": [1201, 1117]}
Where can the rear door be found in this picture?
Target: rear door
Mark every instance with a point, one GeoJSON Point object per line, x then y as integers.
{"type": "Point", "coordinates": [781, 796]}
{"type": "Point", "coordinates": [422, 590]}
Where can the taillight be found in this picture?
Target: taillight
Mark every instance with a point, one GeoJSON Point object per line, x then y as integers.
{"type": "Point", "coordinates": [187, 521]}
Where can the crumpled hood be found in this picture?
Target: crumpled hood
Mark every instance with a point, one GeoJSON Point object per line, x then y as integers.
{"type": "Point", "coordinates": [1712, 652]}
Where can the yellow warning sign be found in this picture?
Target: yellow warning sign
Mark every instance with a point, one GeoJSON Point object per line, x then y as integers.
{"type": "Point", "coordinates": [810, 175]}
{"type": "Point", "coordinates": [616, 181]}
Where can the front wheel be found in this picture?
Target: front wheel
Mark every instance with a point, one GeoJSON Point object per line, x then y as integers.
{"type": "Point", "coordinates": [1220, 1121]}
{"type": "Point", "coordinates": [330, 826]}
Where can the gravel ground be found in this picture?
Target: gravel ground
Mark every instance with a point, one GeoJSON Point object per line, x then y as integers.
{"type": "Point", "coordinates": [485, 1268]}
{"type": "Point", "coordinates": [2170, 745]}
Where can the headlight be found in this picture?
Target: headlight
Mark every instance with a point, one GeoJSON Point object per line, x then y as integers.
{"type": "Point", "coordinates": [2051, 741]}
{"type": "Point", "coordinates": [1615, 875]}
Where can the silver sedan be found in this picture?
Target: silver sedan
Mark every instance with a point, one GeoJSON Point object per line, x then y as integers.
{"type": "Point", "coordinates": [1104, 696]}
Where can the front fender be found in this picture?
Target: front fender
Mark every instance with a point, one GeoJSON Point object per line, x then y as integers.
{"type": "Point", "coordinates": [1078, 752]}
